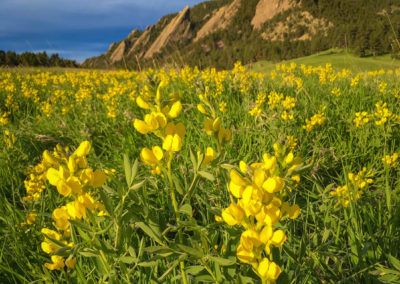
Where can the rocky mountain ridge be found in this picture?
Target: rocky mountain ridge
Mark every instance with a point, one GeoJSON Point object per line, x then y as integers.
{"type": "Point", "coordinates": [216, 30]}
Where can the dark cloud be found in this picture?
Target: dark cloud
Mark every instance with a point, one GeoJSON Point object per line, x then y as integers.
{"type": "Point", "coordinates": [76, 29]}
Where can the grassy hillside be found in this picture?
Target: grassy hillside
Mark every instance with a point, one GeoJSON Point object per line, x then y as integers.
{"type": "Point", "coordinates": [339, 59]}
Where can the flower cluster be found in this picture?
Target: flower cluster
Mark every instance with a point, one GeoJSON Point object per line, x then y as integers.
{"type": "Point", "coordinates": [391, 160]}
{"type": "Point", "coordinates": [381, 115]}
{"type": "Point", "coordinates": [162, 108]}
{"type": "Point", "coordinates": [361, 118]}
{"type": "Point", "coordinates": [212, 123]}
{"type": "Point", "coordinates": [256, 110]}
{"type": "Point", "coordinates": [9, 138]}
{"type": "Point", "coordinates": [261, 191]}
{"type": "Point", "coordinates": [317, 119]}
{"type": "Point", "coordinates": [335, 91]}
{"type": "Point", "coordinates": [4, 118]}
{"type": "Point", "coordinates": [72, 177]}
{"type": "Point", "coordinates": [382, 87]}
{"type": "Point", "coordinates": [354, 189]}
{"type": "Point", "coordinates": [276, 101]}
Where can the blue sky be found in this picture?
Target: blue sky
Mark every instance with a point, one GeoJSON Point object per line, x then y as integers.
{"type": "Point", "coordinates": [77, 29]}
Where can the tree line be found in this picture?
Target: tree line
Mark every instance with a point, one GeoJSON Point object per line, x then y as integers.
{"type": "Point", "coordinates": [30, 59]}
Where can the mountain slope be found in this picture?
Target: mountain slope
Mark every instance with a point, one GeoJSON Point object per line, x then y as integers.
{"type": "Point", "coordinates": [220, 32]}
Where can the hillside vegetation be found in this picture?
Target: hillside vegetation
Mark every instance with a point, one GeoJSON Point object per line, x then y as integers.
{"type": "Point", "coordinates": [338, 58]}
{"type": "Point", "coordinates": [218, 33]}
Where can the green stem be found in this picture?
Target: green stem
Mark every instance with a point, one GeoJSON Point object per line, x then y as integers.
{"type": "Point", "coordinates": [173, 196]}
{"type": "Point", "coordinates": [178, 218]}
{"type": "Point", "coordinates": [190, 191]}
{"type": "Point", "coordinates": [209, 270]}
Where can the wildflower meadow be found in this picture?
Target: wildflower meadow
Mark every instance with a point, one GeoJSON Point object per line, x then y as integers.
{"type": "Point", "coordinates": [189, 176]}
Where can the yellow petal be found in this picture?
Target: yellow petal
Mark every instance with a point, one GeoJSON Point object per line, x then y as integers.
{"type": "Point", "coordinates": [141, 103]}
{"type": "Point", "coordinates": [289, 158]}
{"type": "Point", "coordinates": [244, 255]}
{"type": "Point", "coordinates": [75, 185]}
{"type": "Point", "coordinates": [53, 176]}
{"type": "Point", "coordinates": [243, 167]}
{"type": "Point", "coordinates": [201, 108]}
{"type": "Point", "coordinates": [141, 126]}
{"type": "Point", "coordinates": [273, 271]}
{"type": "Point", "coordinates": [216, 124]}
{"type": "Point", "coordinates": [237, 178]}
{"type": "Point", "coordinates": [236, 190]}
{"type": "Point", "coordinates": [266, 234]}
{"type": "Point", "coordinates": [158, 153]}
{"type": "Point", "coordinates": [83, 149]}
{"type": "Point", "coordinates": [180, 129]}
{"type": "Point", "coordinates": [208, 126]}
{"type": "Point", "coordinates": [278, 238]}
{"type": "Point", "coordinates": [63, 188]}
{"type": "Point", "coordinates": [167, 144]}
{"type": "Point", "coordinates": [175, 110]}
{"type": "Point", "coordinates": [263, 268]}
{"type": "Point", "coordinates": [148, 157]}
{"type": "Point", "coordinates": [176, 143]}
{"type": "Point", "coordinates": [49, 158]}
{"type": "Point", "coordinates": [161, 119]}
{"type": "Point", "coordinates": [70, 262]}
{"type": "Point", "coordinates": [99, 178]}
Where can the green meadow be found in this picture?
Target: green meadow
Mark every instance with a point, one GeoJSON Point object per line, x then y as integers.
{"type": "Point", "coordinates": [121, 214]}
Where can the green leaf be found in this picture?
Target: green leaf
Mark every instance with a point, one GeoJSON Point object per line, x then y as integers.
{"type": "Point", "coordinates": [106, 201]}
{"type": "Point", "coordinates": [128, 259]}
{"type": "Point", "coordinates": [171, 267]}
{"type": "Point", "coordinates": [193, 159]}
{"type": "Point", "coordinates": [155, 236]}
{"type": "Point", "coordinates": [148, 263]}
{"type": "Point", "coordinates": [222, 261]}
{"type": "Point", "coordinates": [134, 170]}
{"type": "Point", "coordinates": [128, 170]}
{"type": "Point", "coordinates": [395, 262]}
{"type": "Point", "coordinates": [109, 190]}
{"type": "Point", "coordinates": [88, 254]}
{"type": "Point", "coordinates": [204, 278]}
{"type": "Point", "coordinates": [132, 251]}
{"type": "Point", "coordinates": [194, 270]}
{"type": "Point", "coordinates": [227, 166]}
{"type": "Point", "coordinates": [138, 185]}
{"type": "Point", "coordinates": [325, 235]}
{"type": "Point", "coordinates": [200, 161]}
{"type": "Point", "coordinates": [191, 251]}
{"type": "Point", "coordinates": [389, 278]}
{"type": "Point", "coordinates": [81, 277]}
{"type": "Point", "coordinates": [81, 226]}
{"type": "Point", "coordinates": [158, 249]}
{"type": "Point", "coordinates": [289, 252]}
{"type": "Point", "coordinates": [178, 185]}
{"type": "Point", "coordinates": [207, 175]}
{"type": "Point", "coordinates": [186, 209]}
{"type": "Point", "coordinates": [55, 242]}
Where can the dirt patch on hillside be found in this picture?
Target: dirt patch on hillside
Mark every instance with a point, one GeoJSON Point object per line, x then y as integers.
{"type": "Point", "coordinates": [220, 20]}
{"type": "Point", "coordinates": [267, 9]}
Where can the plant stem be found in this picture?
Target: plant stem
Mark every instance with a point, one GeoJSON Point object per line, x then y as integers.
{"type": "Point", "coordinates": [190, 190]}
{"type": "Point", "coordinates": [209, 270]}
{"type": "Point", "coordinates": [178, 218]}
